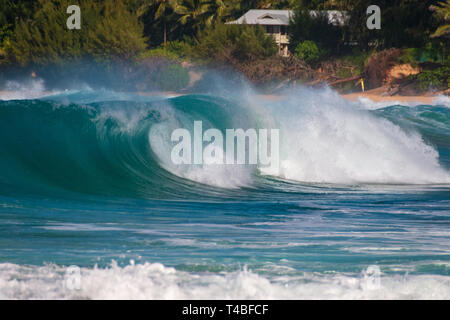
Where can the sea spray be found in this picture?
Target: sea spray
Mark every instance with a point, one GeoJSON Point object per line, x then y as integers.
{"type": "Point", "coordinates": [326, 139]}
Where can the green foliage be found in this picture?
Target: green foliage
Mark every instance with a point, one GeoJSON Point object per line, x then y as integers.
{"type": "Point", "coordinates": [308, 51]}
{"type": "Point", "coordinates": [358, 59]}
{"type": "Point", "coordinates": [442, 13]}
{"type": "Point", "coordinates": [228, 43]}
{"type": "Point", "coordinates": [2, 57]}
{"type": "Point", "coordinates": [195, 15]}
{"type": "Point", "coordinates": [159, 52]}
{"type": "Point", "coordinates": [432, 52]}
{"type": "Point", "coordinates": [180, 18]}
{"type": "Point", "coordinates": [411, 56]}
{"type": "Point", "coordinates": [182, 49]}
{"type": "Point", "coordinates": [316, 28]}
{"type": "Point", "coordinates": [173, 50]}
{"type": "Point", "coordinates": [169, 20]}
{"type": "Point", "coordinates": [10, 9]}
{"type": "Point", "coordinates": [441, 31]}
{"type": "Point", "coordinates": [108, 31]}
{"type": "Point", "coordinates": [403, 23]}
{"type": "Point", "coordinates": [45, 38]}
{"type": "Point", "coordinates": [117, 33]}
{"type": "Point", "coordinates": [33, 32]}
{"type": "Point", "coordinates": [434, 79]}
{"type": "Point", "coordinates": [352, 64]}
{"type": "Point", "coordinates": [157, 12]}
{"type": "Point", "coordinates": [174, 77]}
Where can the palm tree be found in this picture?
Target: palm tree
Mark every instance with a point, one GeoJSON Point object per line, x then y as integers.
{"type": "Point", "coordinates": [199, 13]}
{"type": "Point", "coordinates": [161, 8]}
{"type": "Point", "coordinates": [239, 7]}
{"type": "Point", "coordinates": [218, 10]}
{"type": "Point", "coordinates": [256, 4]}
{"type": "Point", "coordinates": [443, 12]}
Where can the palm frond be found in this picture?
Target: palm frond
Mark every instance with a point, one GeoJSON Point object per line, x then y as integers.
{"type": "Point", "coordinates": [441, 31]}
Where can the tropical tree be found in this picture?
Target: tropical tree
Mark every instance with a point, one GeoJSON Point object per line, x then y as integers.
{"type": "Point", "coordinates": [10, 11]}
{"type": "Point", "coordinates": [194, 15]}
{"type": "Point", "coordinates": [235, 44]}
{"type": "Point", "coordinates": [161, 11]}
{"type": "Point", "coordinates": [219, 9]}
{"type": "Point", "coordinates": [117, 33]}
{"type": "Point", "coordinates": [109, 31]}
{"type": "Point", "coordinates": [239, 8]}
{"type": "Point", "coordinates": [318, 28]}
{"type": "Point", "coordinates": [443, 13]}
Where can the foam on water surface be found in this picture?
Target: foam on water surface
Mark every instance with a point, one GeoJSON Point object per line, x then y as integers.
{"type": "Point", "coordinates": [155, 281]}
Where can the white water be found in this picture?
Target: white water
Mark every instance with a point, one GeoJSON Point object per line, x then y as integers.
{"type": "Point", "coordinates": [155, 281]}
{"type": "Point", "coordinates": [23, 90]}
{"type": "Point", "coordinates": [326, 139]}
{"type": "Point", "coordinates": [225, 176]}
{"type": "Point", "coordinates": [369, 104]}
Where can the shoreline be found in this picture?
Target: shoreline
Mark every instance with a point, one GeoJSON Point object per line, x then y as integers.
{"type": "Point", "coordinates": [429, 100]}
{"type": "Point", "coordinates": [375, 95]}
{"type": "Point", "coordinates": [377, 98]}
{"type": "Point", "coordinates": [380, 95]}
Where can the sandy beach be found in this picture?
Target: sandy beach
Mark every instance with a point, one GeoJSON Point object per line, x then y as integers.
{"type": "Point", "coordinates": [402, 99]}
{"type": "Point", "coordinates": [379, 98]}
{"type": "Point", "coordinates": [379, 95]}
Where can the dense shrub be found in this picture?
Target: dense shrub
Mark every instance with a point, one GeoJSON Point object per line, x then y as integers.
{"type": "Point", "coordinates": [403, 23]}
{"type": "Point", "coordinates": [308, 51]}
{"type": "Point", "coordinates": [434, 79]}
{"type": "Point", "coordinates": [108, 31]}
{"type": "Point", "coordinates": [235, 43]}
{"type": "Point", "coordinates": [318, 28]}
{"type": "Point", "coordinates": [182, 49]}
{"type": "Point", "coordinates": [174, 50]}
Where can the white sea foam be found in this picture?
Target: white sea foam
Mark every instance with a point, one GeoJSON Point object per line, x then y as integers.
{"type": "Point", "coordinates": [224, 176]}
{"type": "Point", "coordinates": [369, 104]}
{"type": "Point", "coordinates": [326, 139]}
{"type": "Point", "coordinates": [442, 100]}
{"type": "Point", "coordinates": [155, 281]}
{"type": "Point", "coordinates": [15, 90]}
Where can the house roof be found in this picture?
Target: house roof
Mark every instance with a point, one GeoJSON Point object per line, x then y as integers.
{"type": "Point", "coordinates": [265, 17]}
{"type": "Point", "coordinates": [282, 17]}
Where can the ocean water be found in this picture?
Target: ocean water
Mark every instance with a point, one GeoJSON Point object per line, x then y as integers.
{"type": "Point", "coordinates": [91, 207]}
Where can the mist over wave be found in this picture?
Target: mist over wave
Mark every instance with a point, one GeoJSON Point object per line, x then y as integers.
{"type": "Point", "coordinates": [329, 140]}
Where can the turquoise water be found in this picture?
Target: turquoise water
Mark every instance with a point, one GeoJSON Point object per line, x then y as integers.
{"type": "Point", "coordinates": [85, 180]}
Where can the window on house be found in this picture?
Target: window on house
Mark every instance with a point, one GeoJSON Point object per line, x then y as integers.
{"type": "Point", "coordinates": [272, 29]}
{"type": "Point", "coordinates": [269, 29]}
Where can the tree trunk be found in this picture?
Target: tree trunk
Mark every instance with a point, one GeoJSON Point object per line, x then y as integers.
{"type": "Point", "coordinates": [165, 33]}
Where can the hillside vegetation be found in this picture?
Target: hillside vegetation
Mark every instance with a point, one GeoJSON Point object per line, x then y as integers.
{"type": "Point", "coordinates": [138, 37]}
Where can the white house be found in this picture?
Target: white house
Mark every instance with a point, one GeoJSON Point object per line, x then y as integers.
{"type": "Point", "coordinates": [275, 23]}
